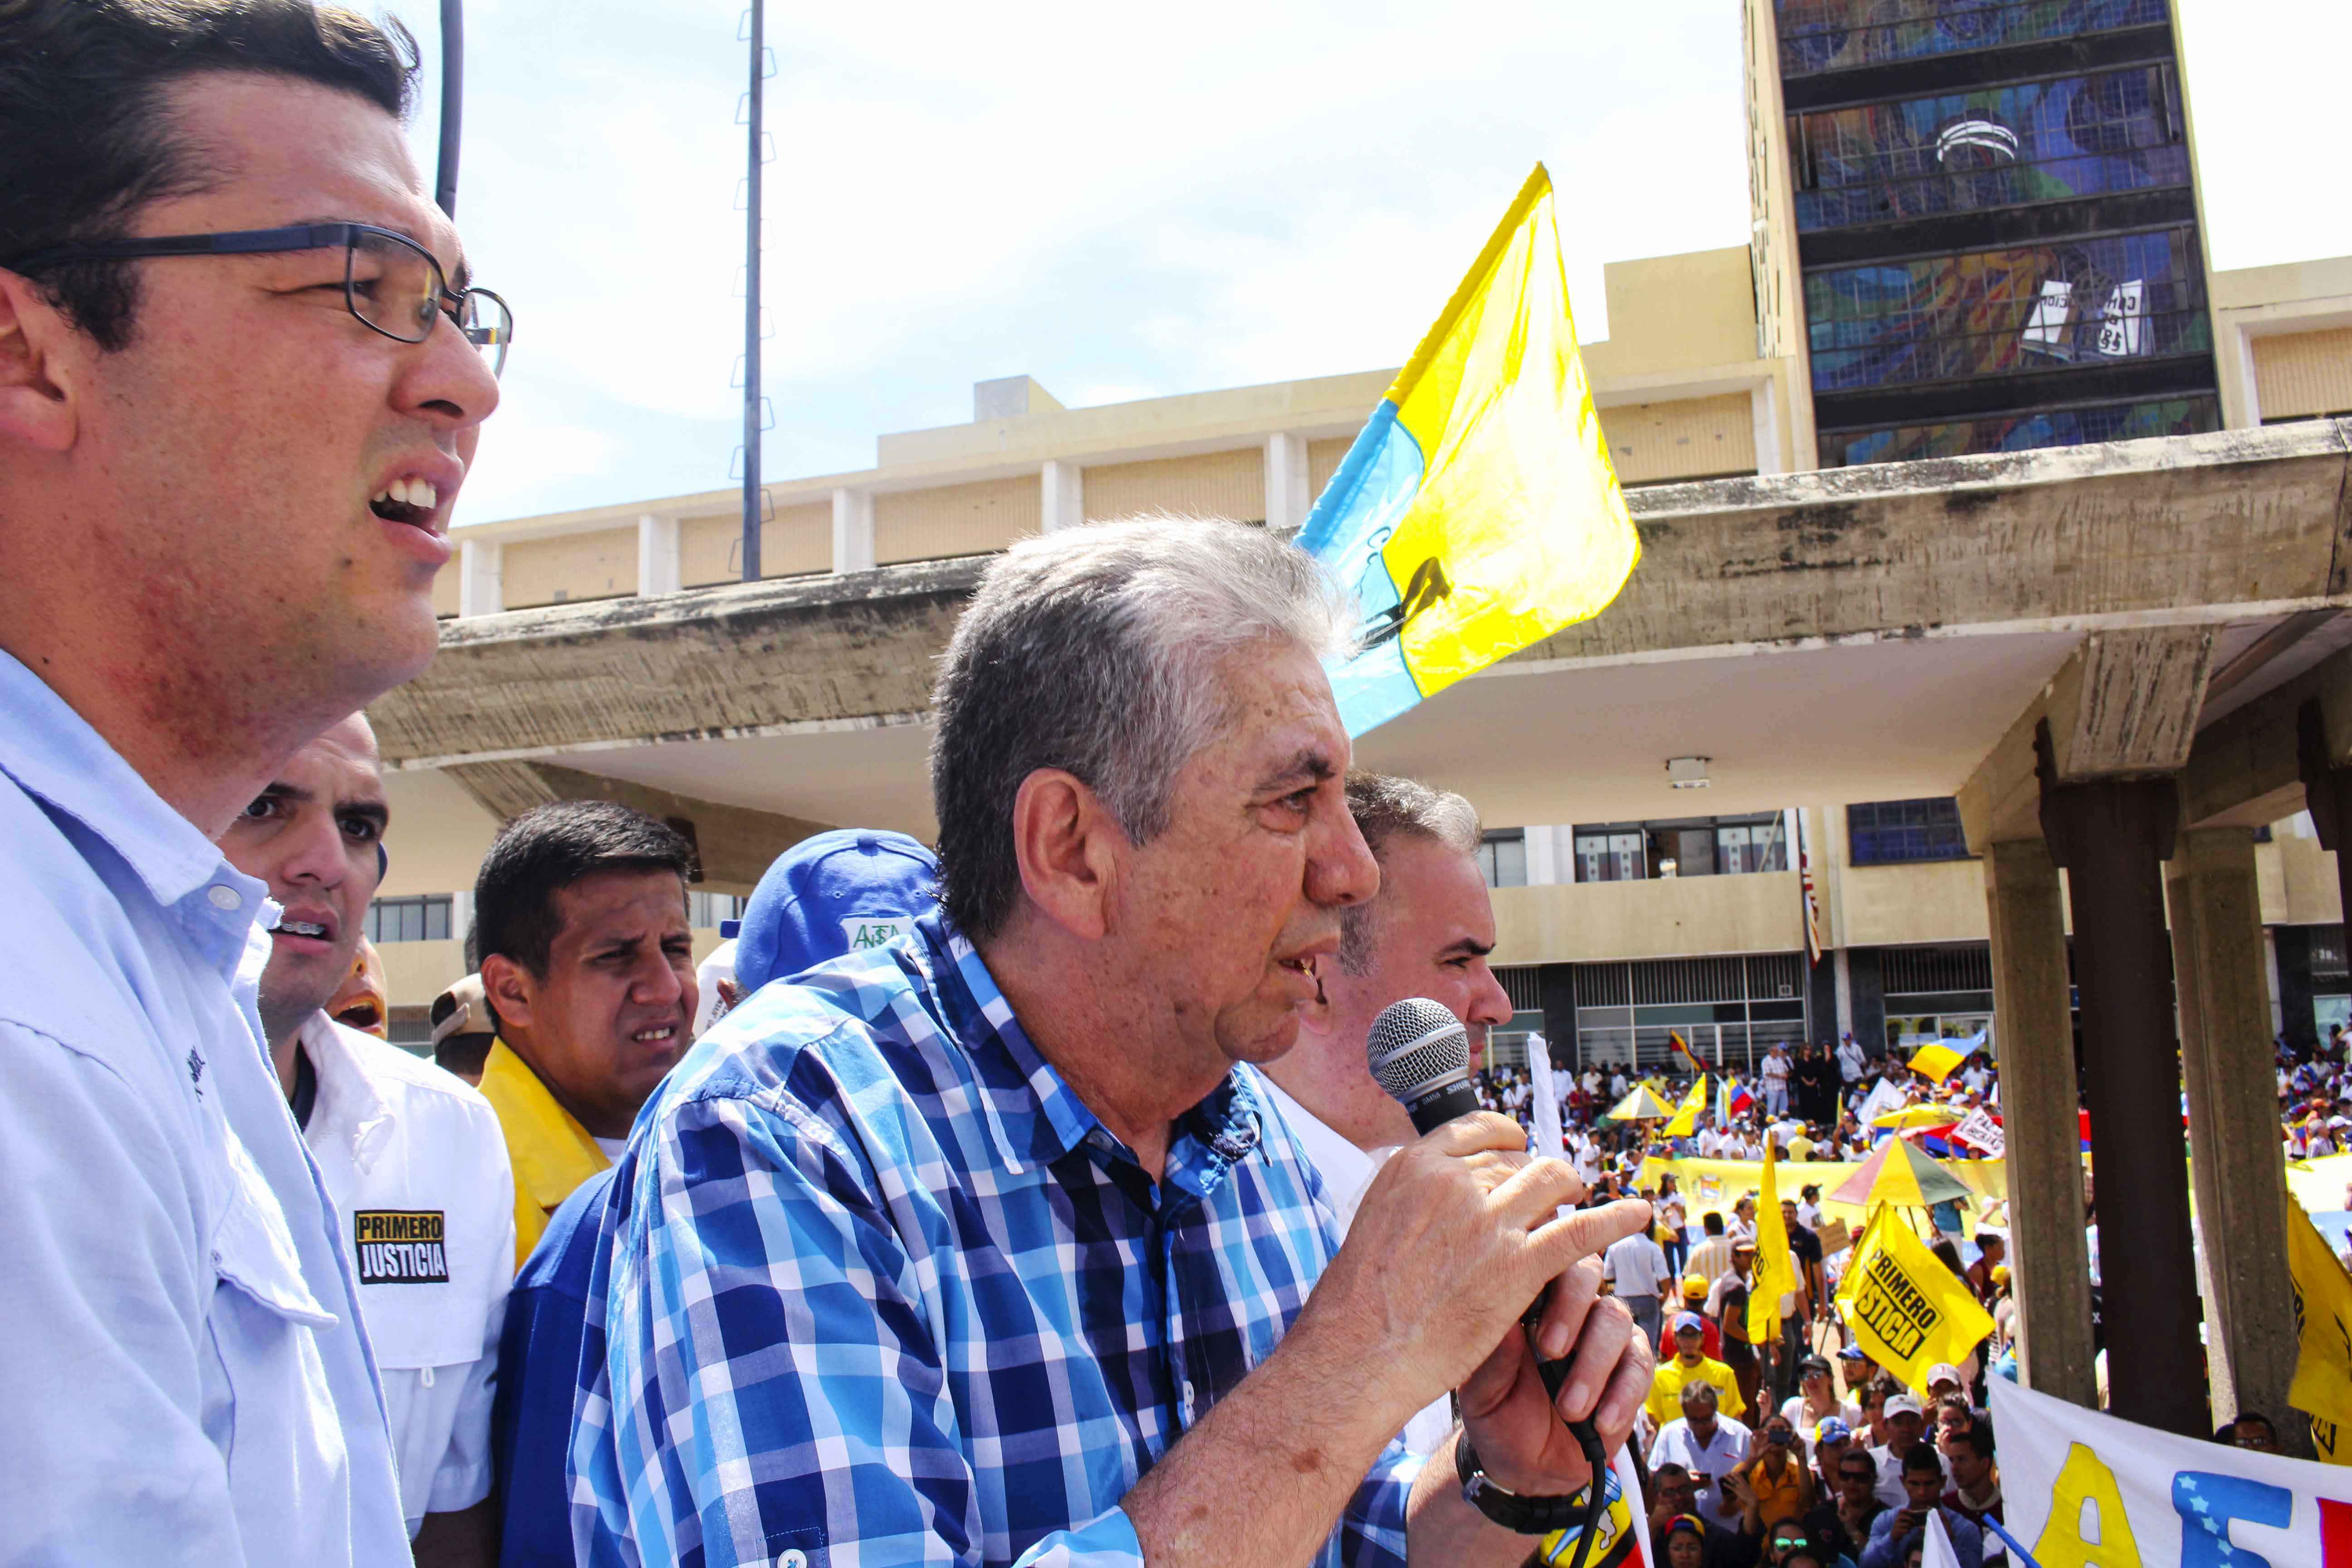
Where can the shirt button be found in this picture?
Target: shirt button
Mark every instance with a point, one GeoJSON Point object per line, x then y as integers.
{"type": "Point", "coordinates": [224, 897]}
{"type": "Point", "coordinates": [792, 1557]}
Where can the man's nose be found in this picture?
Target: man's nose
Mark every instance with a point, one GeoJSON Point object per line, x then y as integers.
{"type": "Point", "coordinates": [657, 983]}
{"type": "Point", "coordinates": [1340, 869]}
{"type": "Point", "coordinates": [315, 855]}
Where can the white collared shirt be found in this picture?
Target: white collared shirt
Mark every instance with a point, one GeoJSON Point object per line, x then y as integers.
{"type": "Point", "coordinates": [416, 1168]}
{"type": "Point", "coordinates": [1347, 1171]}
{"type": "Point", "coordinates": [190, 1382]}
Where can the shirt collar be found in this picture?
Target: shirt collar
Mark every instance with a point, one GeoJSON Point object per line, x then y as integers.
{"type": "Point", "coordinates": [550, 1151]}
{"type": "Point", "coordinates": [349, 1102]}
{"type": "Point", "coordinates": [54, 754]}
{"type": "Point", "coordinates": [1032, 1114]}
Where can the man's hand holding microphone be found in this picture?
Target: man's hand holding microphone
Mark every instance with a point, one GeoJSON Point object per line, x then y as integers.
{"type": "Point", "coordinates": [1459, 1274]}
{"type": "Point", "coordinates": [1454, 1241]}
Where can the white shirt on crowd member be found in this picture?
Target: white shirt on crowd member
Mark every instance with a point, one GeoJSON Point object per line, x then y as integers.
{"type": "Point", "coordinates": [1707, 1462]}
{"type": "Point", "coordinates": [1890, 1475]}
{"type": "Point", "coordinates": [191, 1383]}
{"type": "Point", "coordinates": [1852, 1059]}
{"type": "Point", "coordinates": [415, 1165]}
{"type": "Point", "coordinates": [1588, 1161]}
{"type": "Point", "coordinates": [1346, 1171]}
{"type": "Point", "coordinates": [1710, 1259]}
{"type": "Point", "coordinates": [1635, 1268]}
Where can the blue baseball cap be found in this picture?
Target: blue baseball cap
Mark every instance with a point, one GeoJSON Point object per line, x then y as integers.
{"type": "Point", "coordinates": [1831, 1430]}
{"type": "Point", "coordinates": [1690, 1320]}
{"type": "Point", "coordinates": [837, 892]}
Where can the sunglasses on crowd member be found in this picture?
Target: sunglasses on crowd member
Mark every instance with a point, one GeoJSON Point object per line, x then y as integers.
{"type": "Point", "coordinates": [392, 285]}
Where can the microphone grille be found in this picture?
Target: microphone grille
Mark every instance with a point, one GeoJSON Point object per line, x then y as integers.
{"type": "Point", "coordinates": [1416, 1045]}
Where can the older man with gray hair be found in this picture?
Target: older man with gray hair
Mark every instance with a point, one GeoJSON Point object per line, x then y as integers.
{"type": "Point", "coordinates": [988, 1246]}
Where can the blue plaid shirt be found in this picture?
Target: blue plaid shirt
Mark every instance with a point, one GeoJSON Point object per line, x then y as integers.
{"type": "Point", "coordinates": [875, 1288]}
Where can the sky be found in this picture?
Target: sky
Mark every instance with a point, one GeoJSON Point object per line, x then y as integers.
{"type": "Point", "coordinates": [1122, 202]}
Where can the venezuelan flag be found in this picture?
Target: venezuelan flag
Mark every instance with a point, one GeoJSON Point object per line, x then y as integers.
{"type": "Point", "coordinates": [1478, 511]}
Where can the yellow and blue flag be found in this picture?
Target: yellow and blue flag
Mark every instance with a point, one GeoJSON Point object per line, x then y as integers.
{"type": "Point", "coordinates": [1478, 511]}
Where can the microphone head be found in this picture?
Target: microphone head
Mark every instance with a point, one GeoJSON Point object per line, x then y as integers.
{"type": "Point", "coordinates": [1417, 1047]}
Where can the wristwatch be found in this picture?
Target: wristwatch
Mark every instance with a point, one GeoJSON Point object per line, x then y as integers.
{"type": "Point", "coordinates": [1529, 1515]}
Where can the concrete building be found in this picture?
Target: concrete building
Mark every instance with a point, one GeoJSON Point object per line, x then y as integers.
{"type": "Point", "coordinates": [1963, 691]}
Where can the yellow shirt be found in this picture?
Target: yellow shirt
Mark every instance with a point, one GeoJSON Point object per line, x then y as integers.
{"type": "Point", "coordinates": [550, 1151]}
{"type": "Point", "coordinates": [1665, 1402]}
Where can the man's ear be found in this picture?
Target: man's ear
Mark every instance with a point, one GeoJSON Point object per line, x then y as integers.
{"type": "Point", "coordinates": [1066, 842]}
{"type": "Point", "coordinates": [509, 987]}
{"type": "Point", "coordinates": [36, 408]}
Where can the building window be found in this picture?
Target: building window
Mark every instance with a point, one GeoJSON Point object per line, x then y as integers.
{"type": "Point", "coordinates": [2074, 304]}
{"type": "Point", "coordinates": [1978, 148]}
{"type": "Point", "coordinates": [1903, 832]}
{"type": "Point", "coordinates": [1503, 856]}
{"type": "Point", "coordinates": [2075, 427]}
{"type": "Point", "coordinates": [1819, 36]}
{"type": "Point", "coordinates": [422, 918]}
{"type": "Point", "coordinates": [705, 910]}
{"type": "Point", "coordinates": [1610, 854]}
{"type": "Point", "coordinates": [1684, 846]}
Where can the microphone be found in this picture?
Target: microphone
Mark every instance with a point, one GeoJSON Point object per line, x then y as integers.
{"type": "Point", "coordinates": [1419, 1054]}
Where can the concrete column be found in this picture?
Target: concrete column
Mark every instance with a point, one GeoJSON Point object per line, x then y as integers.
{"type": "Point", "coordinates": [853, 532]}
{"type": "Point", "coordinates": [2049, 1256]}
{"type": "Point", "coordinates": [480, 588]}
{"type": "Point", "coordinates": [1762, 410]}
{"type": "Point", "coordinates": [1063, 501]}
{"type": "Point", "coordinates": [658, 564]}
{"type": "Point", "coordinates": [2219, 962]}
{"type": "Point", "coordinates": [1844, 972]}
{"type": "Point", "coordinates": [2112, 836]}
{"type": "Point", "coordinates": [1287, 498]}
{"type": "Point", "coordinates": [461, 914]}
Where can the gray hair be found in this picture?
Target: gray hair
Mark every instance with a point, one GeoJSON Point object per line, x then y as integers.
{"type": "Point", "coordinates": [1094, 650]}
{"type": "Point", "coordinates": [1386, 808]}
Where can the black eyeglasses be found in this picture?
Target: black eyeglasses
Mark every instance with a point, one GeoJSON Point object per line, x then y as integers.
{"type": "Point", "coordinates": [392, 284]}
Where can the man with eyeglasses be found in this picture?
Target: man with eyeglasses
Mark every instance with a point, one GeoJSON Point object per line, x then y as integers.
{"type": "Point", "coordinates": [241, 377]}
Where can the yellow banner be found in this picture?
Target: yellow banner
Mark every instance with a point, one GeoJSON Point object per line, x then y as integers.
{"type": "Point", "coordinates": [1775, 1275]}
{"type": "Point", "coordinates": [2323, 1315]}
{"type": "Point", "coordinates": [1908, 1310]}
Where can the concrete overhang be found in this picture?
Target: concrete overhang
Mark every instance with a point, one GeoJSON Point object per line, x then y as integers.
{"type": "Point", "coordinates": [1874, 632]}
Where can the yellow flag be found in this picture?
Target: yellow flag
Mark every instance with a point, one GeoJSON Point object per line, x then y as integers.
{"type": "Point", "coordinates": [1935, 1060]}
{"type": "Point", "coordinates": [1908, 1310]}
{"type": "Point", "coordinates": [1686, 1120]}
{"type": "Point", "coordinates": [1775, 1273]}
{"type": "Point", "coordinates": [1476, 512]}
{"type": "Point", "coordinates": [2323, 1315]}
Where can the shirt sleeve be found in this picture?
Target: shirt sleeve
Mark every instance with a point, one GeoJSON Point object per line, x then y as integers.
{"type": "Point", "coordinates": [106, 1272]}
{"type": "Point", "coordinates": [775, 1386]}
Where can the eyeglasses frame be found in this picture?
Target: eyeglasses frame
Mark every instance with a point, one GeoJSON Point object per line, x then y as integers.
{"type": "Point", "coordinates": [278, 241]}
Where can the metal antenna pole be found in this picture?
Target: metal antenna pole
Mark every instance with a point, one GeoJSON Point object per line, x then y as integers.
{"type": "Point", "coordinates": [751, 311]}
{"type": "Point", "coordinates": [453, 103]}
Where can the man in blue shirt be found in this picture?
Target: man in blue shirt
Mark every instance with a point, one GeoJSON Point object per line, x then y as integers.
{"type": "Point", "coordinates": [829, 894]}
{"type": "Point", "coordinates": [989, 1247]}
{"type": "Point", "coordinates": [1891, 1532]}
{"type": "Point", "coordinates": [205, 414]}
